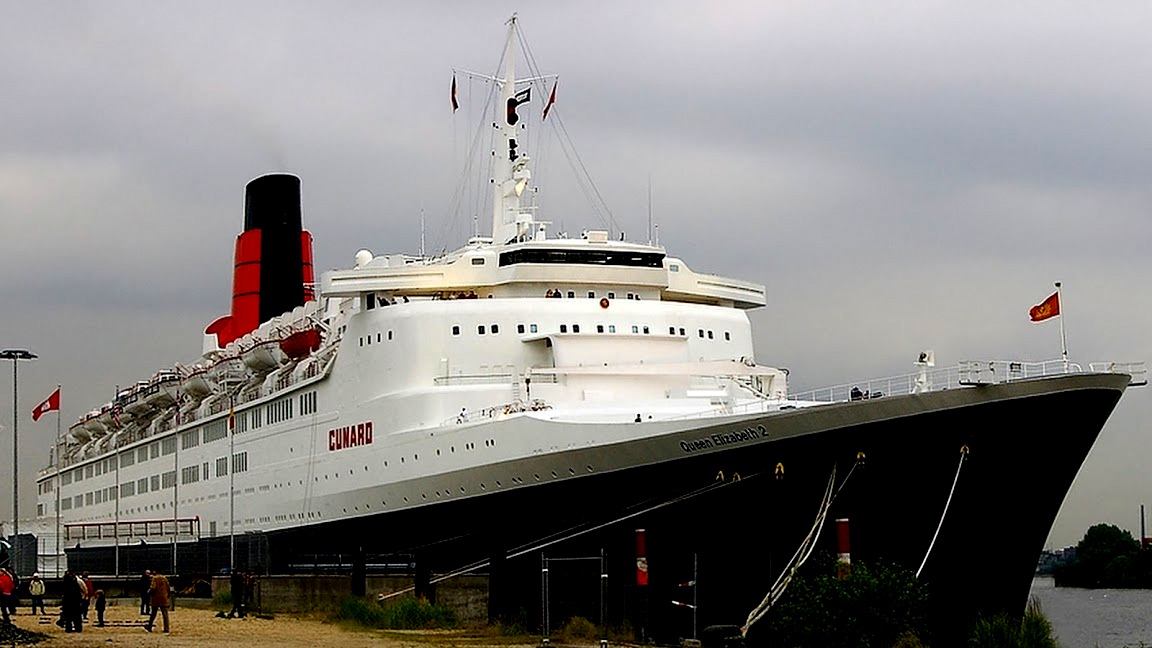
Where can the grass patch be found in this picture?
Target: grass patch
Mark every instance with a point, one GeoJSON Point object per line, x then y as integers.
{"type": "Point", "coordinates": [400, 614]}
{"type": "Point", "coordinates": [1003, 631]}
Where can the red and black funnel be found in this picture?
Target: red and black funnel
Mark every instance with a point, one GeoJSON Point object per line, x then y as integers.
{"type": "Point", "coordinates": [273, 263]}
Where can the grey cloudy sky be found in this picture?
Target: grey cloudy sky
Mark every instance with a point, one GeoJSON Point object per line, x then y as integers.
{"type": "Point", "coordinates": [900, 175]}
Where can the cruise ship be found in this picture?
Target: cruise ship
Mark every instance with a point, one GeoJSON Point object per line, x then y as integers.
{"type": "Point", "coordinates": [537, 394]}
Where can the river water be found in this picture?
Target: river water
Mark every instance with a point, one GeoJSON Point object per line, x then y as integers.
{"type": "Point", "coordinates": [1103, 618]}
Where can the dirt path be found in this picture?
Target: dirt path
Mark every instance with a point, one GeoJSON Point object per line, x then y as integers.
{"type": "Point", "coordinates": [200, 628]}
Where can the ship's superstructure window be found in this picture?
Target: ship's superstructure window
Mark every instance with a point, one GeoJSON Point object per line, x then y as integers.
{"type": "Point", "coordinates": [563, 328]}
{"type": "Point", "coordinates": [495, 329]}
{"type": "Point", "coordinates": [308, 403]}
{"type": "Point", "coordinates": [142, 485]}
{"type": "Point", "coordinates": [571, 294]}
{"type": "Point", "coordinates": [635, 329]}
{"type": "Point", "coordinates": [240, 462]}
{"type": "Point", "coordinates": [611, 328]}
{"type": "Point", "coordinates": [519, 328]}
{"type": "Point", "coordinates": [599, 328]}
{"type": "Point", "coordinates": [256, 417]}
{"type": "Point", "coordinates": [127, 459]}
{"type": "Point", "coordinates": [591, 294]}
{"type": "Point", "coordinates": [700, 332]}
{"type": "Point", "coordinates": [127, 489]}
{"type": "Point", "coordinates": [645, 330]}
{"type": "Point", "coordinates": [222, 466]}
{"type": "Point", "coordinates": [280, 410]}
{"type": "Point", "coordinates": [611, 295]}
{"type": "Point", "coordinates": [477, 260]}
{"type": "Point", "coordinates": [78, 501]}
{"type": "Point", "coordinates": [575, 328]}
{"type": "Point", "coordinates": [168, 446]}
{"type": "Point", "coordinates": [168, 479]}
{"type": "Point", "coordinates": [154, 451]}
{"type": "Point", "coordinates": [88, 471]}
{"type": "Point", "coordinates": [671, 330]}
{"type": "Point", "coordinates": [66, 478]}
{"type": "Point", "coordinates": [66, 504]}
{"type": "Point", "coordinates": [584, 257]}
{"type": "Point", "coordinates": [215, 431]}
{"type": "Point", "coordinates": [480, 329]}
{"type": "Point", "coordinates": [389, 334]}
{"type": "Point", "coordinates": [727, 336]}
{"type": "Point", "coordinates": [532, 328]}
{"type": "Point", "coordinates": [154, 481]}
{"type": "Point", "coordinates": [190, 474]}
{"type": "Point", "coordinates": [455, 330]}
{"type": "Point", "coordinates": [87, 499]}
{"type": "Point", "coordinates": [709, 334]}
{"type": "Point", "coordinates": [682, 331]}
{"type": "Point", "coordinates": [190, 439]}
{"type": "Point", "coordinates": [142, 454]}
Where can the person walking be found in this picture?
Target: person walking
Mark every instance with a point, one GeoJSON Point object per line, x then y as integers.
{"type": "Point", "coordinates": [236, 580]}
{"type": "Point", "coordinates": [7, 589]}
{"type": "Point", "coordinates": [36, 591]}
{"type": "Point", "coordinates": [145, 585]}
{"type": "Point", "coordinates": [89, 594]}
{"type": "Point", "coordinates": [160, 594]}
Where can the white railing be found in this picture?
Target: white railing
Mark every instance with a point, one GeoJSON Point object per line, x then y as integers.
{"type": "Point", "coordinates": [967, 373]}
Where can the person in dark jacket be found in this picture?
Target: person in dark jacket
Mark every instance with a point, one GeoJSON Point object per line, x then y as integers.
{"type": "Point", "coordinates": [145, 584]}
{"type": "Point", "coordinates": [71, 600]}
{"type": "Point", "coordinates": [236, 581]}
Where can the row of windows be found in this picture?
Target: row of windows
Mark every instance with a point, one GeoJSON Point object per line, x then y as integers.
{"type": "Point", "coordinates": [215, 431]}
{"type": "Point", "coordinates": [367, 339]}
{"type": "Point", "coordinates": [308, 403]}
{"type": "Point", "coordinates": [600, 328]}
{"type": "Point", "coordinates": [249, 420]}
{"type": "Point", "coordinates": [280, 410]}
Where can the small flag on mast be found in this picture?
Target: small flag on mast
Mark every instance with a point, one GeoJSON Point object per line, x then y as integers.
{"type": "Point", "coordinates": [51, 404]}
{"type": "Point", "coordinates": [455, 104]}
{"type": "Point", "coordinates": [1046, 309]}
{"type": "Point", "coordinates": [551, 100]}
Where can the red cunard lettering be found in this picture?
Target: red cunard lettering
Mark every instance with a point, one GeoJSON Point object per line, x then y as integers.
{"type": "Point", "coordinates": [350, 436]}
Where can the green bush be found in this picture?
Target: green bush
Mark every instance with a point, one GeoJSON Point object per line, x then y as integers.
{"type": "Point", "coordinates": [1003, 631]}
{"type": "Point", "coordinates": [875, 605]}
{"type": "Point", "coordinates": [578, 628]}
{"type": "Point", "coordinates": [405, 613]}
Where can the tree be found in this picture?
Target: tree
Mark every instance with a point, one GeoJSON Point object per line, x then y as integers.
{"type": "Point", "coordinates": [1107, 556]}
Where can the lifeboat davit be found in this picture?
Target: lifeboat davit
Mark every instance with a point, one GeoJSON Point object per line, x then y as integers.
{"type": "Point", "coordinates": [137, 402]}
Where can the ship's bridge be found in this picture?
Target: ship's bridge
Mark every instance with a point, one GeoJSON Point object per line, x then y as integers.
{"type": "Point", "coordinates": [532, 268]}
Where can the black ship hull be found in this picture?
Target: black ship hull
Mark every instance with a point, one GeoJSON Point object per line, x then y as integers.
{"type": "Point", "coordinates": [731, 517]}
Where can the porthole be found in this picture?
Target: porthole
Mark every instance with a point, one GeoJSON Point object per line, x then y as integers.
{"type": "Point", "coordinates": [571, 471]}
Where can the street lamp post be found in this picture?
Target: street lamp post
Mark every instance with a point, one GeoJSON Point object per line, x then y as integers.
{"type": "Point", "coordinates": [15, 355]}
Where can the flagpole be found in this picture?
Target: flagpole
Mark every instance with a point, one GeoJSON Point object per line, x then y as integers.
{"type": "Point", "coordinates": [57, 485]}
{"type": "Point", "coordinates": [1063, 339]}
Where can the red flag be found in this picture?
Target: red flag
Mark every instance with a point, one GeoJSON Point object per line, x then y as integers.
{"type": "Point", "coordinates": [551, 100]}
{"type": "Point", "coordinates": [1048, 308]}
{"type": "Point", "coordinates": [52, 404]}
{"type": "Point", "coordinates": [455, 104]}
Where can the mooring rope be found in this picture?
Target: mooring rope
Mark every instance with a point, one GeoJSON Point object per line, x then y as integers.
{"type": "Point", "coordinates": [567, 534]}
{"type": "Point", "coordinates": [951, 492]}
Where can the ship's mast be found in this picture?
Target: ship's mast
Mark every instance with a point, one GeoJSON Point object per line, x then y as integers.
{"type": "Point", "coordinates": [511, 178]}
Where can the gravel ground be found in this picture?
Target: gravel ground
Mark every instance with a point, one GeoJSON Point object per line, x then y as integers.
{"type": "Point", "coordinates": [200, 628]}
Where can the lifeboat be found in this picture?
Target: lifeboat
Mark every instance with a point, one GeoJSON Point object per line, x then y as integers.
{"type": "Point", "coordinates": [301, 343]}
{"type": "Point", "coordinates": [263, 356]}
{"type": "Point", "coordinates": [137, 402]}
{"type": "Point", "coordinates": [79, 431]}
{"type": "Point", "coordinates": [91, 420]}
{"type": "Point", "coordinates": [197, 383]}
{"type": "Point", "coordinates": [163, 389]}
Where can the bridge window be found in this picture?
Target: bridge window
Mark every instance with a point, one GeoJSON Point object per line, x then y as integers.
{"type": "Point", "coordinates": [563, 328]}
{"type": "Point", "coordinates": [455, 330]}
{"type": "Point", "coordinates": [480, 329]}
{"type": "Point", "coordinates": [495, 329]}
{"type": "Point", "coordinates": [519, 328]}
{"type": "Point", "coordinates": [575, 328]}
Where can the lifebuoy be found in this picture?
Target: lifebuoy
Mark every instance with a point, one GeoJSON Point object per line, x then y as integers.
{"type": "Point", "coordinates": [603, 302]}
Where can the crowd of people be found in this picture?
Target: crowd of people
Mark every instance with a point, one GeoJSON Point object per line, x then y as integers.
{"type": "Point", "coordinates": [79, 595]}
